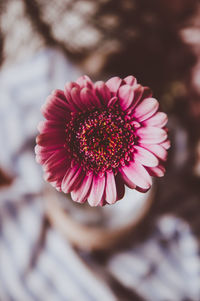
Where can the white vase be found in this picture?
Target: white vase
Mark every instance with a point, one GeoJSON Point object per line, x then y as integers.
{"type": "Point", "coordinates": [97, 228]}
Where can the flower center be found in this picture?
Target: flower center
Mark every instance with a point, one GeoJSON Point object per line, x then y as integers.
{"type": "Point", "coordinates": [102, 139]}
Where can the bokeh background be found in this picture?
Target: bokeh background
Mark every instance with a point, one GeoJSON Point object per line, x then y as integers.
{"type": "Point", "coordinates": [158, 41]}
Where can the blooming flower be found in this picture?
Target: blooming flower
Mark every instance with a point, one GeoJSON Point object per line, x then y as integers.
{"type": "Point", "coordinates": [97, 137]}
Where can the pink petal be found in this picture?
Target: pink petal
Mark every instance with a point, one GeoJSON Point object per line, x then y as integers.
{"type": "Point", "coordinates": [113, 84]}
{"type": "Point", "coordinates": [80, 193]}
{"type": "Point", "coordinates": [58, 102]}
{"type": "Point", "coordinates": [146, 109]}
{"type": "Point", "coordinates": [138, 91]}
{"type": "Point", "coordinates": [119, 186]}
{"type": "Point", "coordinates": [125, 94]}
{"type": "Point", "coordinates": [89, 99]}
{"type": "Point", "coordinates": [157, 171]}
{"type": "Point", "coordinates": [59, 93]}
{"type": "Point", "coordinates": [75, 96]}
{"type": "Point", "coordinates": [136, 175]}
{"type": "Point", "coordinates": [141, 93]}
{"type": "Point", "coordinates": [40, 149]}
{"type": "Point", "coordinates": [67, 91]}
{"type": "Point", "coordinates": [44, 153]}
{"type": "Point", "coordinates": [130, 80]}
{"type": "Point", "coordinates": [166, 144]}
{"type": "Point", "coordinates": [158, 120]}
{"type": "Point", "coordinates": [102, 92]}
{"type": "Point", "coordinates": [55, 160]}
{"type": "Point", "coordinates": [97, 190]}
{"type": "Point", "coordinates": [51, 138]}
{"type": "Point", "coordinates": [57, 175]}
{"type": "Point", "coordinates": [145, 157]}
{"type": "Point", "coordinates": [55, 108]}
{"type": "Point", "coordinates": [46, 126]}
{"type": "Point", "coordinates": [41, 158]}
{"type": "Point", "coordinates": [57, 185]}
{"type": "Point", "coordinates": [43, 149]}
{"type": "Point", "coordinates": [125, 174]}
{"type": "Point", "coordinates": [85, 81]}
{"type": "Point", "coordinates": [111, 192]}
{"type": "Point", "coordinates": [147, 93]}
{"type": "Point", "coordinates": [56, 172]}
{"type": "Point", "coordinates": [71, 179]}
{"type": "Point", "coordinates": [112, 101]}
{"type": "Point", "coordinates": [159, 151]}
{"type": "Point", "coordinates": [151, 135]}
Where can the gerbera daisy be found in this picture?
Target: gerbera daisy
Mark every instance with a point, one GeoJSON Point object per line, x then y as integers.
{"type": "Point", "coordinates": [97, 137]}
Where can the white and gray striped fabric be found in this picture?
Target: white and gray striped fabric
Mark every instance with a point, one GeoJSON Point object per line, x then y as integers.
{"type": "Point", "coordinates": [35, 262]}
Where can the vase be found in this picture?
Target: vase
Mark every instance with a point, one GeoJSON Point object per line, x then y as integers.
{"type": "Point", "coordinates": [97, 228]}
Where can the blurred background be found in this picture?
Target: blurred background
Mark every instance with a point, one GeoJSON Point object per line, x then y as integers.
{"type": "Point", "coordinates": [43, 44]}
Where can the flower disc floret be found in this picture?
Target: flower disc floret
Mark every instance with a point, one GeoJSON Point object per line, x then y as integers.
{"type": "Point", "coordinates": [102, 139]}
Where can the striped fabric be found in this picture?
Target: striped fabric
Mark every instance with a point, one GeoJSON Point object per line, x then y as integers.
{"type": "Point", "coordinates": [36, 264]}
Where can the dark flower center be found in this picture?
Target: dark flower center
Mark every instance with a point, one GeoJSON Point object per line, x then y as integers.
{"type": "Point", "coordinates": [102, 139]}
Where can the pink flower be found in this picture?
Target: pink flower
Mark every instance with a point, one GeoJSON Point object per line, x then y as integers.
{"type": "Point", "coordinates": [99, 136]}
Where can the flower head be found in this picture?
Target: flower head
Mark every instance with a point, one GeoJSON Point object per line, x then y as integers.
{"type": "Point", "coordinates": [97, 137]}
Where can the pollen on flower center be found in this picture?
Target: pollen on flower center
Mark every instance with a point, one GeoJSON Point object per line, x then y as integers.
{"type": "Point", "coordinates": [102, 139]}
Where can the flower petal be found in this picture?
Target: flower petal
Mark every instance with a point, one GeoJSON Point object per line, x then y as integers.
{"type": "Point", "coordinates": [89, 99]}
{"type": "Point", "coordinates": [71, 179]}
{"type": "Point", "coordinates": [55, 108]}
{"type": "Point", "coordinates": [76, 98]}
{"type": "Point", "coordinates": [57, 185]}
{"type": "Point", "coordinates": [158, 120]}
{"type": "Point", "coordinates": [59, 93]}
{"type": "Point", "coordinates": [111, 191]}
{"type": "Point", "coordinates": [80, 193]}
{"type": "Point", "coordinates": [51, 138]}
{"type": "Point", "coordinates": [97, 190]}
{"type": "Point", "coordinates": [113, 84]}
{"type": "Point", "coordinates": [130, 80]}
{"type": "Point", "coordinates": [126, 95]}
{"type": "Point", "coordinates": [56, 159]}
{"type": "Point", "coordinates": [48, 125]}
{"type": "Point", "coordinates": [137, 175]}
{"type": "Point", "coordinates": [151, 135]}
{"type": "Point", "coordinates": [138, 91]}
{"type": "Point", "coordinates": [166, 144]}
{"type": "Point", "coordinates": [147, 93]}
{"type": "Point", "coordinates": [145, 157]}
{"type": "Point", "coordinates": [85, 81]}
{"type": "Point", "coordinates": [42, 157]}
{"type": "Point", "coordinates": [43, 149]}
{"type": "Point", "coordinates": [146, 109]}
{"type": "Point", "coordinates": [102, 92]}
{"type": "Point", "coordinates": [57, 175]}
{"type": "Point", "coordinates": [119, 186]}
{"type": "Point", "coordinates": [67, 91]}
{"type": "Point", "coordinates": [58, 102]}
{"type": "Point", "coordinates": [112, 101]}
{"type": "Point", "coordinates": [158, 150]}
{"type": "Point", "coordinates": [127, 179]}
{"type": "Point", "coordinates": [157, 171]}
{"type": "Point", "coordinates": [44, 153]}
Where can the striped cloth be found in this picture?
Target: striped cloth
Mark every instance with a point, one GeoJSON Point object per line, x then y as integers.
{"type": "Point", "coordinates": [35, 262]}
